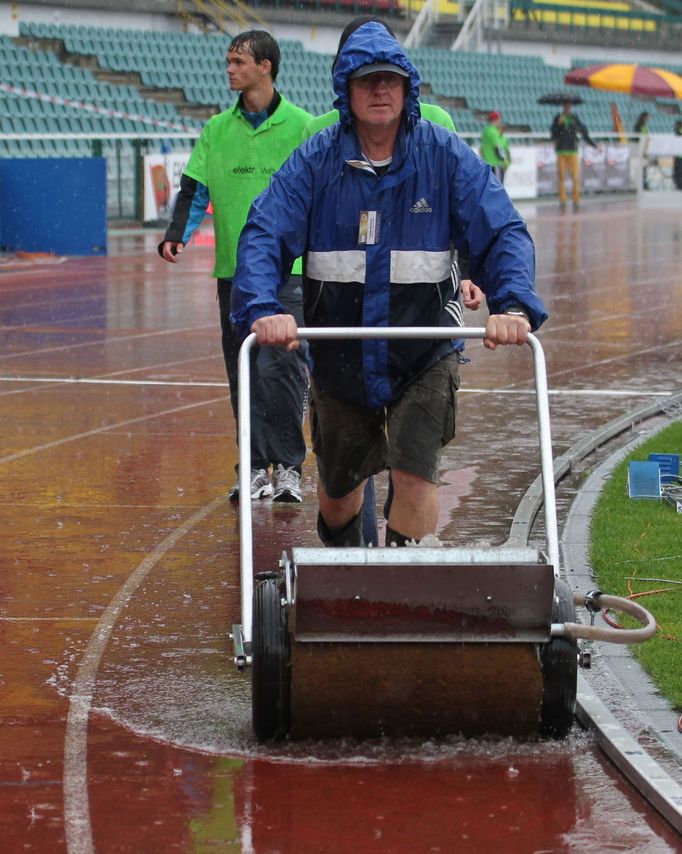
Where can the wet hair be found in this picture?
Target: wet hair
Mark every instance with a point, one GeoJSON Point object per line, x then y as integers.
{"type": "Point", "coordinates": [260, 45]}
{"type": "Point", "coordinates": [354, 25]}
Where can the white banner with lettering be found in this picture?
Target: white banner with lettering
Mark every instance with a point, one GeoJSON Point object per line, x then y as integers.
{"type": "Point", "coordinates": [161, 183]}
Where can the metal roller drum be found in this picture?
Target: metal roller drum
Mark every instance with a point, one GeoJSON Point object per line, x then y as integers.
{"type": "Point", "coordinates": [370, 690]}
{"type": "Point", "coordinates": [422, 642]}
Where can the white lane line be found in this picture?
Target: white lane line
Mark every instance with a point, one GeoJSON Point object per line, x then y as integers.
{"type": "Point", "coordinates": [568, 392]}
{"type": "Point", "coordinates": [48, 619]}
{"type": "Point", "coordinates": [590, 367]}
{"type": "Point", "coordinates": [571, 392]}
{"type": "Point", "coordinates": [600, 363]}
{"type": "Point", "coordinates": [105, 429]}
{"type": "Point", "coordinates": [103, 341]}
{"type": "Point", "coordinates": [105, 381]}
{"type": "Point", "coordinates": [77, 824]}
{"type": "Point", "coordinates": [52, 381]}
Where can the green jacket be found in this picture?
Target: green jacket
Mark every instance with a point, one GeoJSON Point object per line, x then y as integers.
{"type": "Point", "coordinates": [236, 162]}
{"type": "Point", "coordinates": [494, 146]}
{"type": "Point", "coordinates": [430, 112]}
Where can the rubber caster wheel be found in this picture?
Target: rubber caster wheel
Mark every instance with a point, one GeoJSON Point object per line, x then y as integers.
{"type": "Point", "coordinates": [270, 661]}
{"type": "Point", "coordinates": [559, 659]}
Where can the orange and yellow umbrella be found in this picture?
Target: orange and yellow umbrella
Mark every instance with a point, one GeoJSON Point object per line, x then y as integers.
{"type": "Point", "coordinates": [631, 79]}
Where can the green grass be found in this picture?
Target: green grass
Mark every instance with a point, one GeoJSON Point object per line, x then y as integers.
{"type": "Point", "coordinates": [642, 538]}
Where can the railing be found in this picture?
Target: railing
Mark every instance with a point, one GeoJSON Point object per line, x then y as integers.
{"type": "Point", "coordinates": [383, 8]}
{"type": "Point", "coordinates": [488, 15]}
{"type": "Point", "coordinates": [125, 154]}
{"type": "Point", "coordinates": [484, 15]}
{"type": "Point", "coordinates": [426, 18]}
{"type": "Point", "coordinates": [551, 15]}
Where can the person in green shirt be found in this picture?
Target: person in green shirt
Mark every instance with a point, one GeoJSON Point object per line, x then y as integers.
{"type": "Point", "coordinates": [237, 153]}
{"type": "Point", "coordinates": [495, 146]}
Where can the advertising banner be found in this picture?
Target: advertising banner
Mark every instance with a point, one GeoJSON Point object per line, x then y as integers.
{"type": "Point", "coordinates": [56, 205]}
{"type": "Point", "coordinates": [601, 169]}
{"type": "Point", "coordinates": [545, 160]}
{"type": "Point", "coordinates": [161, 183]}
{"type": "Point", "coordinates": [664, 145]}
{"type": "Point", "coordinates": [592, 168]}
{"type": "Point", "coordinates": [617, 171]}
{"type": "Point", "coordinates": [520, 179]}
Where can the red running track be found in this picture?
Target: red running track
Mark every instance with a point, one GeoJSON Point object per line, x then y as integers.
{"type": "Point", "coordinates": [125, 726]}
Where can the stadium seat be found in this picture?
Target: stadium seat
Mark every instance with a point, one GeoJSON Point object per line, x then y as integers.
{"type": "Point", "coordinates": [644, 479]}
{"type": "Point", "coordinates": [669, 466]}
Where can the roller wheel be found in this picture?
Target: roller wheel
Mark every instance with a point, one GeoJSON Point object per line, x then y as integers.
{"type": "Point", "coordinates": [559, 660]}
{"type": "Point", "coordinates": [270, 671]}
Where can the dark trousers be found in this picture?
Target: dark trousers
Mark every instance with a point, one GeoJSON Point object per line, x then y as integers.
{"type": "Point", "coordinates": [677, 173]}
{"type": "Point", "coordinates": [279, 381]}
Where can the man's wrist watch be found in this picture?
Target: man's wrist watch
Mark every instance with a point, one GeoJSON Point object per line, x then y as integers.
{"type": "Point", "coordinates": [517, 311]}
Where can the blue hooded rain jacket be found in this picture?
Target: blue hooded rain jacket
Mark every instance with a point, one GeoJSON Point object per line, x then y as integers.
{"type": "Point", "coordinates": [437, 194]}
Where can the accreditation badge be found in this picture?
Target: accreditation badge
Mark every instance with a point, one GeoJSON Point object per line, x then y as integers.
{"type": "Point", "coordinates": [369, 228]}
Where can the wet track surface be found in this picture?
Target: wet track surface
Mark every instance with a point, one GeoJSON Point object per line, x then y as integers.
{"type": "Point", "coordinates": [124, 724]}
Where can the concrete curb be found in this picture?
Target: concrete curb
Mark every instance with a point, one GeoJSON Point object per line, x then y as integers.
{"type": "Point", "coordinates": [530, 504]}
{"type": "Point", "coordinates": [638, 715]}
{"type": "Point", "coordinates": [617, 698]}
{"type": "Point", "coordinates": [575, 541]}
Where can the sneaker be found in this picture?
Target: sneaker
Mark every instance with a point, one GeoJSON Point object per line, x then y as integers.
{"type": "Point", "coordinates": [260, 486]}
{"type": "Point", "coordinates": [287, 484]}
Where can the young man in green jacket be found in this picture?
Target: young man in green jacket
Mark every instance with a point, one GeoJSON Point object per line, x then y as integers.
{"type": "Point", "coordinates": [237, 153]}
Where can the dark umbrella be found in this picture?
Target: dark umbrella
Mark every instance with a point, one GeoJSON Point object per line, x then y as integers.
{"type": "Point", "coordinates": [556, 99]}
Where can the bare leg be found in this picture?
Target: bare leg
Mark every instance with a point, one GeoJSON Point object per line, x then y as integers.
{"type": "Point", "coordinates": [337, 512]}
{"type": "Point", "coordinates": [414, 509]}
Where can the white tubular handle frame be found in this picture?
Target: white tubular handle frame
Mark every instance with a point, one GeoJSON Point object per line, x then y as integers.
{"type": "Point", "coordinates": [317, 334]}
{"type": "Point", "coordinates": [608, 634]}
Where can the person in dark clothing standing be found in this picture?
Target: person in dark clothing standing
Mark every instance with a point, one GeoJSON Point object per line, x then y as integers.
{"type": "Point", "coordinates": [642, 129]}
{"type": "Point", "coordinates": [677, 162]}
{"type": "Point", "coordinates": [642, 123]}
{"type": "Point", "coordinates": [565, 130]}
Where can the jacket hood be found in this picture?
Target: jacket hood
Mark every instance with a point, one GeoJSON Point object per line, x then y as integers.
{"type": "Point", "coordinates": [372, 43]}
